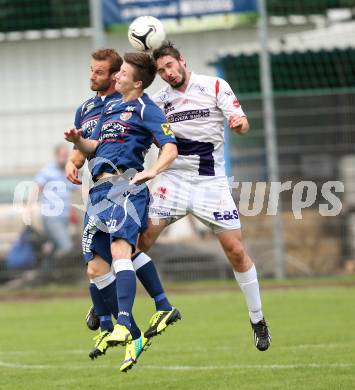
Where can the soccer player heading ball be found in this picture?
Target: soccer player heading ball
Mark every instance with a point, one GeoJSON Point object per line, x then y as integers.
{"type": "Point", "coordinates": [118, 204]}
{"type": "Point", "coordinates": [196, 106]}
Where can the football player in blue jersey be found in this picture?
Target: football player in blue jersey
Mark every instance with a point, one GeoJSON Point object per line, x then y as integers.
{"type": "Point", "coordinates": [104, 64]}
{"type": "Point", "coordinates": [119, 199]}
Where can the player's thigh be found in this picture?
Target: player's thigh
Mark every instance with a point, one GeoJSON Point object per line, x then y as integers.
{"type": "Point", "coordinates": [151, 234]}
{"type": "Point", "coordinates": [95, 242]}
{"type": "Point", "coordinates": [214, 206]}
{"type": "Point", "coordinates": [170, 197]}
{"type": "Point", "coordinates": [97, 266]}
{"type": "Point", "coordinates": [120, 249]}
{"type": "Point", "coordinates": [126, 222]}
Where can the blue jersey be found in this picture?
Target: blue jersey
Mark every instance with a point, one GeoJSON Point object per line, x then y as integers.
{"type": "Point", "coordinates": [125, 132]}
{"type": "Point", "coordinates": [88, 113]}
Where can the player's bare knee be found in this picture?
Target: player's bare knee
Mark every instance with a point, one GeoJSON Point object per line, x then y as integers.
{"type": "Point", "coordinates": [94, 270]}
{"type": "Point", "coordinates": [236, 254]}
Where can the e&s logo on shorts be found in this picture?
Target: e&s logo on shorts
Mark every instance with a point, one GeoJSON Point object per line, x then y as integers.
{"type": "Point", "coordinates": [226, 215]}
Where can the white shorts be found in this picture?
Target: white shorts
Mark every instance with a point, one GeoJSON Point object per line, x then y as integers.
{"type": "Point", "coordinates": [208, 198]}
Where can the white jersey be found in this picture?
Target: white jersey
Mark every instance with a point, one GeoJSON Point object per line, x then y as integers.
{"type": "Point", "coordinates": [197, 119]}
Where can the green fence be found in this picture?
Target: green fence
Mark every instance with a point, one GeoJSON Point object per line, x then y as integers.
{"type": "Point", "coordinates": [21, 15]}
{"type": "Point", "coordinates": [314, 109]}
{"type": "Point", "coordinates": [297, 71]}
{"type": "Point", "coordinates": [305, 7]}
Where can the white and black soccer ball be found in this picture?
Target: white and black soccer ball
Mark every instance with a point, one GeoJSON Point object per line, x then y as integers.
{"type": "Point", "coordinates": [146, 33]}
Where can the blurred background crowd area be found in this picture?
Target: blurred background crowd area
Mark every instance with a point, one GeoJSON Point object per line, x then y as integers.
{"type": "Point", "coordinates": [45, 48]}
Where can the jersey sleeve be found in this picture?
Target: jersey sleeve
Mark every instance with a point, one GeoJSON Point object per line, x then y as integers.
{"type": "Point", "coordinates": [226, 99]}
{"type": "Point", "coordinates": [155, 121]}
{"type": "Point", "coordinates": [77, 119]}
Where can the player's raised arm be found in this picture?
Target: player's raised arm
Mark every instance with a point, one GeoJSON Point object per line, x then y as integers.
{"type": "Point", "coordinates": [238, 124]}
{"type": "Point", "coordinates": [231, 108]}
{"type": "Point", "coordinates": [166, 157]}
{"type": "Point", "coordinates": [75, 161]}
{"type": "Point", "coordinates": [86, 146]}
{"type": "Point", "coordinates": [155, 121]}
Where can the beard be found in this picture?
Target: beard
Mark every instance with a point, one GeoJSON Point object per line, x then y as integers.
{"type": "Point", "coordinates": [100, 87]}
{"type": "Point", "coordinates": [182, 72]}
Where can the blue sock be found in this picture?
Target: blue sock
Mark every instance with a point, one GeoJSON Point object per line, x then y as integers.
{"type": "Point", "coordinates": [126, 290]}
{"type": "Point", "coordinates": [148, 276]}
{"type": "Point", "coordinates": [101, 308]}
{"type": "Point", "coordinates": [135, 331]}
{"type": "Point", "coordinates": [109, 295]}
{"type": "Point", "coordinates": [162, 302]}
{"type": "Point", "coordinates": [106, 323]}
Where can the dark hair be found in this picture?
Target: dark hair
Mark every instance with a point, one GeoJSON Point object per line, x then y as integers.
{"type": "Point", "coordinates": [167, 49]}
{"type": "Point", "coordinates": [110, 55]}
{"type": "Point", "coordinates": [144, 67]}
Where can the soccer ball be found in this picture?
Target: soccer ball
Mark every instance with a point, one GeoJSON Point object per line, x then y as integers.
{"type": "Point", "coordinates": [146, 33]}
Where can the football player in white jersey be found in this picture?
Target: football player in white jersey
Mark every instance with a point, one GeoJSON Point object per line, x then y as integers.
{"type": "Point", "coordinates": [196, 183]}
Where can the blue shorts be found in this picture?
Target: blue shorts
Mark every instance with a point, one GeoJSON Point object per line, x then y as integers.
{"type": "Point", "coordinates": [113, 212]}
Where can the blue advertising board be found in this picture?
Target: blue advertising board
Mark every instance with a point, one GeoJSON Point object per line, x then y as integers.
{"type": "Point", "coordinates": [124, 11]}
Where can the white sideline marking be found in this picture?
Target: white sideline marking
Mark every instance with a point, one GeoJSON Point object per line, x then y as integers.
{"type": "Point", "coordinates": [197, 349]}
{"type": "Point", "coordinates": [307, 346]}
{"type": "Point", "coordinates": [24, 366]}
{"type": "Point", "coordinates": [33, 352]}
{"type": "Point", "coordinates": [250, 366]}
{"type": "Point", "coordinates": [50, 366]}
{"type": "Point", "coordinates": [179, 368]}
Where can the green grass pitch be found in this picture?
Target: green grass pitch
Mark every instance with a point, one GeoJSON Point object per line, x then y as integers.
{"type": "Point", "coordinates": [44, 344]}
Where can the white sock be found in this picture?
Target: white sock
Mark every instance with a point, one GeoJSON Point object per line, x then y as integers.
{"type": "Point", "coordinates": [248, 282]}
{"type": "Point", "coordinates": [122, 265]}
{"type": "Point", "coordinates": [103, 281]}
{"type": "Point", "coordinates": [140, 260]}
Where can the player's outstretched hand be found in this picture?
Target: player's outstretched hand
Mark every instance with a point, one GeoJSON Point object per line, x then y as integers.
{"type": "Point", "coordinates": [238, 124]}
{"type": "Point", "coordinates": [71, 172]}
{"type": "Point", "coordinates": [142, 177]}
{"type": "Point", "coordinates": [72, 135]}
{"type": "Point", "coordinates": [235, 121]}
